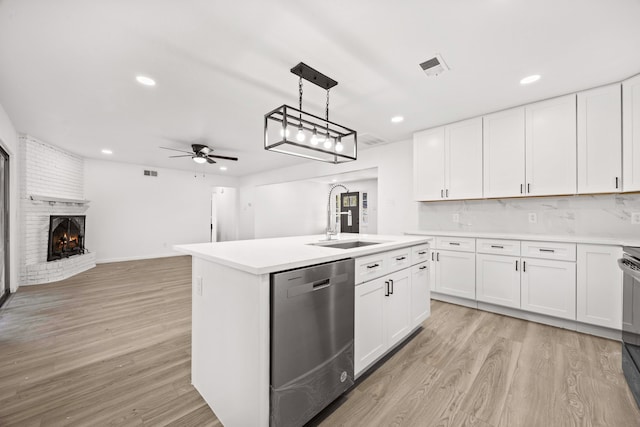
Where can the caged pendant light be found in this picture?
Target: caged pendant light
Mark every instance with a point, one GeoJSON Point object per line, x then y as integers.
{"type": "Point", "coordinates": [293, 131]}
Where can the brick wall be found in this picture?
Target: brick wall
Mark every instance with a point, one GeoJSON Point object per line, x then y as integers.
{"type": "Point", "coordinates": [50, 172]}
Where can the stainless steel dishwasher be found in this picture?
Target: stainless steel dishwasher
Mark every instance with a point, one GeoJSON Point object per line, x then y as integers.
{"type": "Point", "coordinates": [311, 340]}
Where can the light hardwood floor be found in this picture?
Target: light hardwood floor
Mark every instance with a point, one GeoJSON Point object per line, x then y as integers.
{"type": "Point", "coordinates": [111, 346]}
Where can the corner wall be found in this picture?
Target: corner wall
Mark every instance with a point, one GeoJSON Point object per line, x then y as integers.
{"type": "Point", "coordinates": [9, 142]}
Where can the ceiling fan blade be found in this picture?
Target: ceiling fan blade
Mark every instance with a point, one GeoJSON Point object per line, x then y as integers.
{"type": "Point", "coordinates": [175, 149]}
{"type": "Point", "coordinates": [235, 159]}
{"type": "Point", "coordinates": [210, 161]}
{"type": "Point", "coordinates": [182, 155]}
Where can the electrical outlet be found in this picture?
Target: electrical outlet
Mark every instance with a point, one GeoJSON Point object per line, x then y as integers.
{"type": "Point", "coordinates": [533, 217]}
{"type": "Point", "coordinates": [455, 217]}
{"type": "Point", "coordinates": [635, 218]}
{"type": "Point", "coordinates": [199, 286]}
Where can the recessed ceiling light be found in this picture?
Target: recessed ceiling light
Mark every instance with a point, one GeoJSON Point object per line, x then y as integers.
{"type": "Point", "coordinates": [223, 168]}
{"type": "Point", "coordinates": [530, 79]}
{"type": "Point", "coordinates": [334, 180]}
{"type": "Point", "coordinates": [397, 119]}
{"type": "Point", "coordinates": [144, 80]}
{"type": "Point", "coordinates": [107, 151]}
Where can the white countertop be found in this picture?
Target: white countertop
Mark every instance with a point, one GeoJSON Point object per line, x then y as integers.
{"type": "Point", "coordinates": [533, 237]}
{"type": "Point", "coordinates": [262, 256]}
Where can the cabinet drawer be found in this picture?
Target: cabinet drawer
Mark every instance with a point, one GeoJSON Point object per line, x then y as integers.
{"type": "Point", "coordinates": [419, 254]}
{"type": "Point", "coordinates": [463, 244]}
{"type": "Point", "coordinates": [398, 259]}
{"type": "Point", "coordinates": [549, 250]}
{"type": "Point", "coordinates": [498, 247]}
{"type": "Point", "coordinates": [371, 267]}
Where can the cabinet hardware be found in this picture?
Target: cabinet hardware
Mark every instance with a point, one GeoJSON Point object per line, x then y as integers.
{"type": "Point", "coordinates": [423, 267]}
{"type": "Point", "coordinates": [547, 250]}
{"type": "Point", "coordinates": [528, 188]}
{"type": "Point", "coordinates": [616, 182]}
{"type": "Point", "coordinates": [521, 185]}
{"type": "Point", "coordinates": [386, 288]}
{"type": "Point", "coordinates": [422, 253]}
{"type": "Point", "coordinates": [516, 265]}
{"type": "Point", "coordinates": [401, 258]}
{"type": "Point", "coordinates": [454, 243]}
{"type": "Point", "coordinates": [432, 254]}
{"type": "Point", "coordinates": [373, 266]}
{"type": "Point", "coordinates": [442, 194]}
{"type": "Point", "coordinates": [446, 192]}
{"type": "Point", "coordinates": [391, 293]}
{"type": "Point", "coordinates": [524, 266]}
{"type": "Point", "coordinates": [497, 246]}
{"type": "Point", "coordinates": [438, 256]}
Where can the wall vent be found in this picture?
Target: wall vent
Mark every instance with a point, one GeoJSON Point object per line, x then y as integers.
{"type": "Point", "coordinates": [366, 140]}
{"type": "Point", "coordinates": [150, 173]}
{"type": "Point", "coordinates": [434, 66]}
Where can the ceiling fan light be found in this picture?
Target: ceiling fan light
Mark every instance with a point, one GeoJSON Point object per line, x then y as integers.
{"type": "Point", "coordinates": [199, 160]}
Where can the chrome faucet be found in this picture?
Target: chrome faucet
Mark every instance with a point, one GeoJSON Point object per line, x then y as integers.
{"type": "Point", "coordinates": [331, 232]}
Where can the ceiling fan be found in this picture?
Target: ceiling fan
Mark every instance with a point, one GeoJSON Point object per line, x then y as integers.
{"type": "Point", "coordinates": [201, 154]}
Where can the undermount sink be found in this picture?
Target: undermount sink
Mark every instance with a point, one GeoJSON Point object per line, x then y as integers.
{"type": "Point", "coordinates": [346, 245]}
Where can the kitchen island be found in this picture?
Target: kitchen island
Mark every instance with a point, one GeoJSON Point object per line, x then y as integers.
{"type": "Point", "coordinates": [230, 313]}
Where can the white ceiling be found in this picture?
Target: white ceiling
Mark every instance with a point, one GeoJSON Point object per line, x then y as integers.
{"type": "Point", "coordinates": [67, 68]}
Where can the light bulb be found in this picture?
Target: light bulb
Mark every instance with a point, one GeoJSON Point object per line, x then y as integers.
{"type": "Point", "coordinates": [199, 159]}
{"type": "Point", "coordinates": [300, 136]}
{"type": "Point", "coordinates": [327, 142]}
{"type": "Point", "coordinates": [314, 137]}
{"type": "Point", "coordinates": [339, 146]}
{"type": "Point", "coordinates": [284, 132]}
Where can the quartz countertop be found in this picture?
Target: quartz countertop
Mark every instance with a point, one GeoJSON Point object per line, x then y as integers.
{"type": "Point", "coordinates": [530, 237]}
{"type": "Point", "coordinates": [262, 256]}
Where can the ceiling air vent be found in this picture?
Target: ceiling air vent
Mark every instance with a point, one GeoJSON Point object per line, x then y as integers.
{"type": "Point", "coordinates": [150, 173]}
{"type": "Point", "coordinates": [434, 66]}
{"type": "Point", "coordinates": [366, 140]}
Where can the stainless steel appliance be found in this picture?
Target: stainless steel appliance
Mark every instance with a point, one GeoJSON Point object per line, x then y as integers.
{"type": "Point", "coordinates": [311, 340]}
{"type": "Point", "coordinates": [630, 265]}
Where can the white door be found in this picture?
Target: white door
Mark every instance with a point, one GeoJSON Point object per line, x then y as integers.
{"type": "Point", "coordinates": [503, 149]}
{"type": "Point", "coordinates": [456, 273]}
{"type": "Point", "coordinates": [428, 164]}
{"type": "Point", "coordinates": [599, 287]}
{"type": "Point", "coordinates": [631, 134]}
{"type": "Point", "coordinates": [214, 216]}
{"type": "Point", "coordinates": [369, 327]}
{"type": "Point", "coordinates": [420, 294]}
{"type": "Point", "coordinates": [549, 287]}
{"type": "Point", "coordinates": [551, 147]}
{"type": "Point", "coordinates": [600, 140]}
{"type": "Point", "coordinates": [463, 160]}
{"type": "Point", "coordinates": [398, 306]}
{"type": "Point", "coordinates": [498, 279]}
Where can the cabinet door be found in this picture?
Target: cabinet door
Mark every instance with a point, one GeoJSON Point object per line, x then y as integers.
{"type": "Point", "coordinates": [398, 306]}
{"type": "Point", "coordinates": [600, 140]}
{"type": "Point", "coordinates": [463, 160]}
{"type": "Point", "coordinates": [549, 287]}
{"type": "Point", "coordinates": [456, 273]}
{"type": "Point", "coordinates": [631, 134]}
{"type": "Point", "coordinates": [369, 327]}
{"type": "Point", "coordinates": [551, 147]}
{"type": "Point", "coordinates": [504, 153]}
{"type": "Point", "coordinates": [420, 294]}
{"type": "Point", "coordinates": [498, 279]}
{"type": "Point", "coordinates": [599, 288]}
{"type": "Point", "coordinates": [428, 164]}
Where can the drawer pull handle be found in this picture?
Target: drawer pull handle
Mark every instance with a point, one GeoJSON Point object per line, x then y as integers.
{"type": "Point", "coordinates": [373, 266]}
{"type": "Point", "coordinates": [438, 256]}
{"type": "Point", "coordinates": [547, 250]}
{"type": "Point", "coordinates": [386, 288]}
{"type": "Point", "coordinates": [454, 243]}
{"type": "Point", "coordinates": [423, 267]}
{"type": "Point", "coordinates": [616, 182]}
{"type": "Point", "coordinates": [524, 266]}
{"type": "Point", "coordinates": [432, 254]}
{"type": "Point", "coordinates": [516, 265]}
{"type": "Point", "coordinates": [391, 293]}
{"type": "Point", "coordinates": [401, 258]}
{"type": "Point", "coordinates": [497, 246]}
{"type": "Point", "coordinates": [422, 253]}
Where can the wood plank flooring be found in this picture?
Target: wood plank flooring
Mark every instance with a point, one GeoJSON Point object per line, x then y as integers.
{"type": "Point", "coordinates": [111, 346]}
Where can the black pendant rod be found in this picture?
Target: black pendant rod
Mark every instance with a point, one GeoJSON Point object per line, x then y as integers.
{"type": "Point", "coordinates": [313, 76]}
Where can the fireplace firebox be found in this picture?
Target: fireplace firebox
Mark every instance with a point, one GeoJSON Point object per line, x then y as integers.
{"type": "Point", "coordinates": [66, 236]}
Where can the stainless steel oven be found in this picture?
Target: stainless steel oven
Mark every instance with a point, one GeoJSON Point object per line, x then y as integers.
{"type": "Point", "coordinates": [630, 265]}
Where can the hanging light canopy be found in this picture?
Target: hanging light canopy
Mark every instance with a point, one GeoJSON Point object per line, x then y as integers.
{"type": "Point", "coordinates": [293, 131]}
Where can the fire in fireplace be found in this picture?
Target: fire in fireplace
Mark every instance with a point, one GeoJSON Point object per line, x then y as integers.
{"type": "Point", "coordinates": [66, 236]}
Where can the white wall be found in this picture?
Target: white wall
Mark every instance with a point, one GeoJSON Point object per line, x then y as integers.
{"type": "Point", "coordinates": [397, 212]}
{"type": "Point", "coordinates": [132, 216]}
{"type": "Point", "coordinates": [9, 142]}
{"type": "Point", "coordinates": [226, 206]}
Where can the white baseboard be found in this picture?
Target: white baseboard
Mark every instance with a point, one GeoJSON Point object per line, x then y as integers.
{"type": "Point", "coordinates": [454, 300]}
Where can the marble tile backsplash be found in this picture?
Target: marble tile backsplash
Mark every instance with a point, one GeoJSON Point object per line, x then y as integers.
{"type": "Point", "coordinates": [606, 215]}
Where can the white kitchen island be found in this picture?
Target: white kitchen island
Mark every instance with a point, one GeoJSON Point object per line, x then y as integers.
{"type": "Point", "coordinates": [230, 314]}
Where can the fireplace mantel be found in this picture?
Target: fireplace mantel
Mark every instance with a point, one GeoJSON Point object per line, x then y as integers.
{"type": "Point", "coordinates": [52, 200]}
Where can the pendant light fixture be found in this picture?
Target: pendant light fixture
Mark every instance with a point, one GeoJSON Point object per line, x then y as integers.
{"type": "Point", "coordinates": [293, 131]}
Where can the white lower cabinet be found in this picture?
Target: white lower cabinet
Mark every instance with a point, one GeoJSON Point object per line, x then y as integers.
{"type": "Point", "coordinates": [369, 327]}
{"type": "Point", "coordinates": [599, 289]}
{"type": "Point", "coordinates": [455, 273]}
{"type": "Point", "coordinates": [498, 279]}
{"type": "Point", "coordinates": [549, 287]}
{"type": "Point", "coordinates": [397, 306]}
{"type": "Point", "coordinates": [420, 293]}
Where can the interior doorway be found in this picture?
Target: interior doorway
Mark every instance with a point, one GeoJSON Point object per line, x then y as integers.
{"type": "Point", "coordinates": [5, 288]}
{"type": "Point", "coordinates": [224, 224]}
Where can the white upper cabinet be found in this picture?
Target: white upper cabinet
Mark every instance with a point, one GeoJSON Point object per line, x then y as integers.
{"type": "Point", "coordinates": [631, 134]}
{"type": "Point", "coordinates": [600, 140]}
{"type": "Point", "coordinates": [428, 164]}
{"type": "Point", "coordinates": [504, 153]}
{"type": "Point", "coordinates": [463, 160]}
{"type": "Point", "coordinates": [551, 147]}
